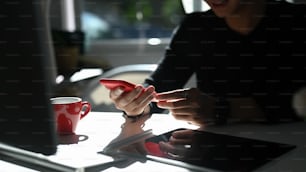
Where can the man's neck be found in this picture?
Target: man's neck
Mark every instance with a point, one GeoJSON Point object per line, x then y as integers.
{"type": "Point", "coordinates": [246, 18]}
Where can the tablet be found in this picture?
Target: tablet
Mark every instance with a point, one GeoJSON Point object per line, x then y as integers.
{"type": "Point", "coordinates": [218, 152]}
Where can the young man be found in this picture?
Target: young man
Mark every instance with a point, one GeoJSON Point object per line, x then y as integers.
{"type": "Point", "coordinates": [247, 57]}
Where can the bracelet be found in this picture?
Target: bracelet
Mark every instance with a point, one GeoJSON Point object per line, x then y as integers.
{"type": "Point", "coordinates": [135, 118]}
{"type": "Point", "coordinates": [123, 125]}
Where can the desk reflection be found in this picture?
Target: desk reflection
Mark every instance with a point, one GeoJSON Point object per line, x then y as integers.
{"type": "Point", "coordinates": [197, 149]}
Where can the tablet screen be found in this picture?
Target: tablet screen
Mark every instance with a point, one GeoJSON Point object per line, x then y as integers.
{"type": "Point", "coordinates": [215, 151]}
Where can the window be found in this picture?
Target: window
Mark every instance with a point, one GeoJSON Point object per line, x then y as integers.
{"type": "Point", "coordinates": [123, 32]}
{"type": "Point", "coordinates": [120, 19]}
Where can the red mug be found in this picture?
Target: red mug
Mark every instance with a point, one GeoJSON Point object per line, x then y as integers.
{"type": "Point", "coordinates": [68, 112]}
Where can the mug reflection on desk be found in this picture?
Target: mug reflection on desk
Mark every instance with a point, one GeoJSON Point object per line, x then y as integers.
{"type": "Point", "coordinates": [71, 138]}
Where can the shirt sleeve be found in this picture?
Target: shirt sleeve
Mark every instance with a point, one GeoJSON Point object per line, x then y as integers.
{"type": "Point", "coordinates": [175, 67]}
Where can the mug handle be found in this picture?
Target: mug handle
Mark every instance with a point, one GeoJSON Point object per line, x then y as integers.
{"type": "Point", "coordinates": [87, 109]}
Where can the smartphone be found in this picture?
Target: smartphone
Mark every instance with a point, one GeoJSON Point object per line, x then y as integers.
{"type": "Point", "coordinates": [114, 83]}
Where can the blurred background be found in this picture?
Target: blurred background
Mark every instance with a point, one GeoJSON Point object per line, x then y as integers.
{"type": "Point", "coordinates": [117, 32]}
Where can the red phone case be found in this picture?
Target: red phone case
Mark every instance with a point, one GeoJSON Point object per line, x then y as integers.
{"type": "Point", "coordinates": [114, 83]}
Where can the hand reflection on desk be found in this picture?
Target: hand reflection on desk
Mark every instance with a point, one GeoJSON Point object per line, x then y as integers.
{"type": "Point", "coordinates": [66, 139]}
{"type": "Point", "coordinates": [126, 142]}
{"type": "Point", "coordinates": [177, 146]}
{"type": "Point", "coordinates": [174, 146]}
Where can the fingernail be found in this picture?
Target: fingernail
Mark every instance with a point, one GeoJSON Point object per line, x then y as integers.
{"type": "Point", "coordinates": [162, 142]}
{"type": "Point", "coordinates": [118, 92]}
{"type": "Point", "coordinates": [138, 88]}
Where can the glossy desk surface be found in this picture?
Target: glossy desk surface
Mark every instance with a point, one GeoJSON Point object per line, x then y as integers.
{"type": "Point", "coordinates": [98, 129]}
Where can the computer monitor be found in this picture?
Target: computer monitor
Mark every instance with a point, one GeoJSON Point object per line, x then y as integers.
{"type": "Point", "coordinates": [27, 75]}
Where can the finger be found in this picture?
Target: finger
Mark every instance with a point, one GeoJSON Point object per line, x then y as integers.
{"type": "Point", "coordinates": [183, 134]}
{"type": "Point", "coordinates": [154, 93]}
{"type": "Point", "coordinates": [172, 151]}
{"type": "Point", "coordinates": [166, 147]}
{"type": "Point", "coordinates": [127, 97]}
{"type": "Point", "coordinates": [180, 141]}
{"type": "Point", "coordinates": [113, 94]}
{"type": "Point", "coordinates": [177, 104]}
{"type": "Point", "coordinates": [194, 118]}
{"type": "Point", "coordinates": [176, 94]}
{"type": "Point", "coordinates": [180, 107]}
{"type": "Point", "coordinates": [142, 101]}
{"type": "Point", "coordinates": [182, 137]}
{"type": "Point", "coordinates": [182, 117]}
{"type": "Point", "coordinates": [148, 94]}
{"type": "Point", "coordinates": [186, 114]}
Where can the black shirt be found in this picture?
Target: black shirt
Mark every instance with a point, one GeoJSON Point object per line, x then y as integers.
{"type": "Point", "coordinates": [266, 64]}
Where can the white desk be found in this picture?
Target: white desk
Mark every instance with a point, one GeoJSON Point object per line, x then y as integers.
{"type": "Point", "coordinates": [102, 127]}
{"type": "Point", "coordinates": [293, 133]}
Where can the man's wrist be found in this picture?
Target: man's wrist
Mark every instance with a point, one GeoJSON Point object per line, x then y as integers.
{"type": "Point", "coordinates": [134, 118]}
